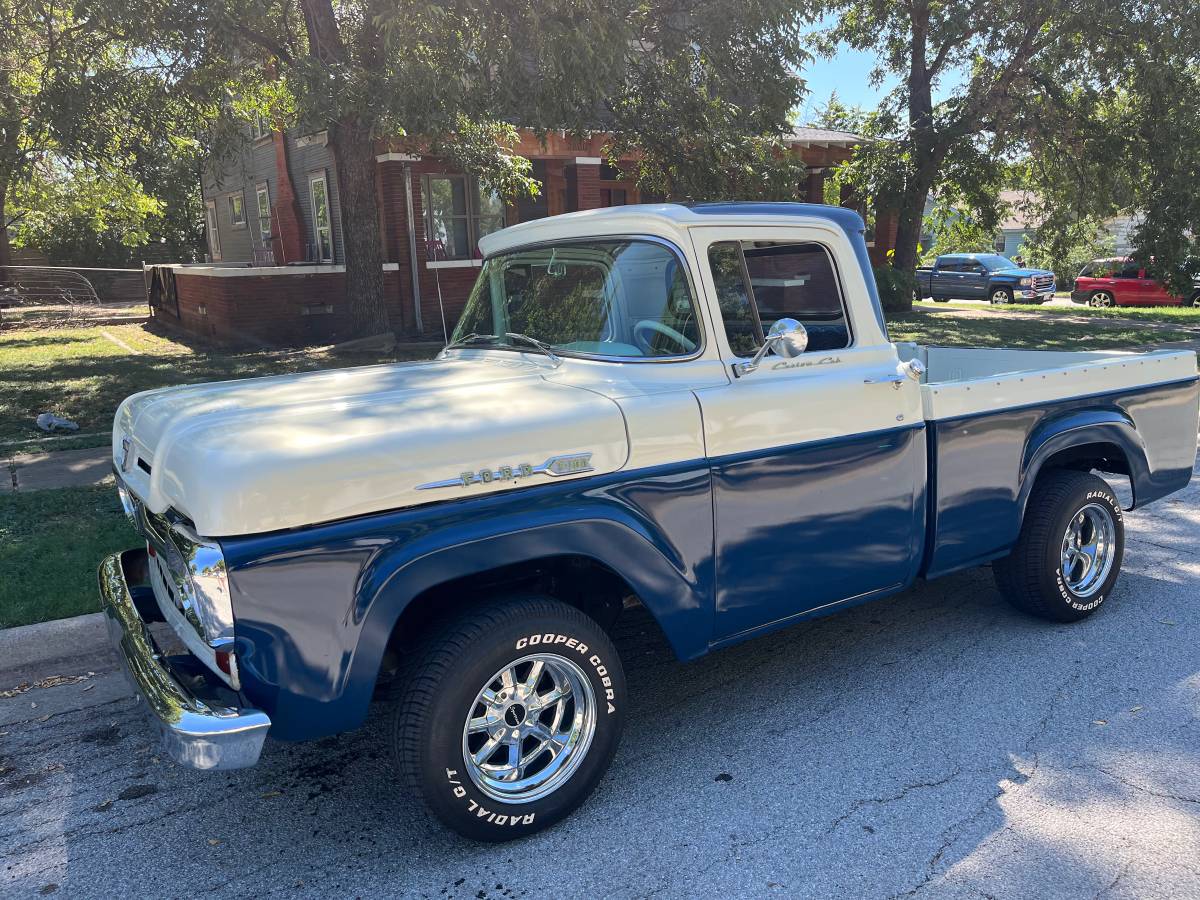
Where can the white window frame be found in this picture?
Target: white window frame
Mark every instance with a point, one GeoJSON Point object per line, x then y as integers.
{"type": "Point", "coordinates": [212, 229]}
{"type": "Point", "coordinates": [259, 127]}
{"type": "Point", "coordinates": [313, 179]}
{"type": "Point", "coordinates": [472, 188]}
{"type": "Point", "coordinates": [234, 222]}
{"type": "Point", "coordinates": [261, 190]}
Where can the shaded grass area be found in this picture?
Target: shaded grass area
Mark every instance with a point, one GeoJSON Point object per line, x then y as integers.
{"type": "Point", "coordinates": [1025, 332]}
{"type": "Point", "coordinates": [51, 543]}
{"type": "Point", "coordinates": [1173, 315]}
{"type": "Point", "coordinates": [83, 374]}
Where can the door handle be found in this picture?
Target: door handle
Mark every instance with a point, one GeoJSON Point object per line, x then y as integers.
{"type": "Point", "coordinates": [913, 369]}
{"type": "Point", "coordinates": [894, 380]}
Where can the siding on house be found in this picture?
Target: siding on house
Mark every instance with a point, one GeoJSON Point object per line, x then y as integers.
{"type": "Point", "coordinates": [254, 165]}
{"type": "Point", "coordinates": [305, 162]}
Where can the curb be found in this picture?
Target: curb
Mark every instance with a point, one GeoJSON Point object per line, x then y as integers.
{"type": "Point", "coordinates": [27, 645]}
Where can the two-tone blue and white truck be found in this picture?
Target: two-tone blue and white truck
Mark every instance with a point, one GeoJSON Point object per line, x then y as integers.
{"type": "Point", "coordinates": [697, 409]}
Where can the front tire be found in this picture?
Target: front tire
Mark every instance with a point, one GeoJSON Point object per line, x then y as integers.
{"type": "Point", "coordinates": [1195, 301]}
{"type": "Point", "coordinates": [1068, 555]}
{"type": "Point", "coordinates": [510, 718]}
{"type": "Point", "coordinates": [998, 295]}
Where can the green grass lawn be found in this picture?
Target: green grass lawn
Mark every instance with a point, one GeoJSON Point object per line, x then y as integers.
{"type": "Point", "coordinates": [1188, 316]}
{"type": "Point", "coordinates": [1024, 332]}
{"type": "Point", "coordinates": [82, 374]}
{"type": "Point", "coordinates": [51, 543]}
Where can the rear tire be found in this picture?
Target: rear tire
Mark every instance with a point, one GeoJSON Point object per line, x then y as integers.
{"type": "Point", "coordinates": [474, 686]}
{"type": "Point", "coordinates": [1195, 301]}
{"type": "Point", "coordinates": [1068, 555]}
{"type": "Point", "coordinates": [1102, 300]}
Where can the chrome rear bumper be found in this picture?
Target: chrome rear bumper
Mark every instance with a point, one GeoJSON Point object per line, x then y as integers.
{"type": "Point", "coordinates": [194, 733]}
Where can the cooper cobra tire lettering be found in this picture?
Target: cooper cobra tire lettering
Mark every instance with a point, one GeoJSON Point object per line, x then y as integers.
{"type": "Point", "coordinates": [571, 643]}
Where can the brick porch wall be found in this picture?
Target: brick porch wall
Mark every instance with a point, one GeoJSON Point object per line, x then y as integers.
{"type": "Point", "coordinates": [279, 310]}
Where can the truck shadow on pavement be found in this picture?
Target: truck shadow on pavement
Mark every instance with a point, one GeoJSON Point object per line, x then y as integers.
{"type": "Point", "coordinates": [935, 740]}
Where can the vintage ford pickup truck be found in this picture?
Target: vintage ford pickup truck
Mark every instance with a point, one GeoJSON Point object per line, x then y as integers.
{"type": "Point", "coordinates": [697, 409]}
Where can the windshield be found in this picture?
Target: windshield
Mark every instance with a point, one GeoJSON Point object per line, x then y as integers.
{"type": "Point", "coordinates": [995, 261]}
{"type": "Point", "coordinates": [621, 298]}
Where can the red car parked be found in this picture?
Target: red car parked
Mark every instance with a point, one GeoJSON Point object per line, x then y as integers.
{"type": "Point", "coordinates": [1121, 281]}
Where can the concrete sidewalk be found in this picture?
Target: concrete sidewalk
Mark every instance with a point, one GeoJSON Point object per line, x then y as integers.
{"type": "Point", "coordinates": [59, 469]}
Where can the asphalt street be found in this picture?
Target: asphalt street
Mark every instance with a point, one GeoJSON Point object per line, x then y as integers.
{"type": "Point", "coordinates": [937, 743]}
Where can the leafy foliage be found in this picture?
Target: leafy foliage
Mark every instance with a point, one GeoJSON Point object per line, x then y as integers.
{"type": "Point", "coordinates": [1093, 91]}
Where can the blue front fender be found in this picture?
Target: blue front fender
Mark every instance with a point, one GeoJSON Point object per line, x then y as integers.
{"type": "Point", "coordinates": [315, 608]}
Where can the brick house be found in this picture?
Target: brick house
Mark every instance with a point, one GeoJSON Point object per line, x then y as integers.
{"type": "Point", "coordinates": [275, 270]}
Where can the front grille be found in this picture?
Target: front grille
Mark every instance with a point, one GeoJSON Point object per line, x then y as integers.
{"type": "Point", "coordinates": [1043, 282]}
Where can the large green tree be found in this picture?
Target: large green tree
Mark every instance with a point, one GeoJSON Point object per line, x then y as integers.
{"type": "Point", "coordinates": [455, 77]}
{"type": "Point", "coordinates": [86, 110]}
{"type": "Point", "coordinates": [979, 84]}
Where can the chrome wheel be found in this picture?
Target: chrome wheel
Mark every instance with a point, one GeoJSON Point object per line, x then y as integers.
{"type": "Point", "coordinates": [999, 296]}
{"type": "Point", "coordinates": [1101, 299]}
{"type": "Point", "coordinates": [1089, 549]}
{"type": "Point", "coordinates": [529, 728]}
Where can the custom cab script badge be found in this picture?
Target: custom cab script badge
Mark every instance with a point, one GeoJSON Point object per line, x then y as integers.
{"type": "Point", "coordinates": [555, 466]}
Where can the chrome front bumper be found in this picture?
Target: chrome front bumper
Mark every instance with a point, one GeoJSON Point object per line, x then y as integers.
{"type": "Point", "coordinates": [194, 733]}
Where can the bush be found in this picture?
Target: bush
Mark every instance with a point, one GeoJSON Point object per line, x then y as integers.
{"type": "Point", "coordinates": [897, 289]}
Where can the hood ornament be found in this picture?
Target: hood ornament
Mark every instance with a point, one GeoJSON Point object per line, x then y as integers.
{"type": "Point", "coordinates": [555, 467]}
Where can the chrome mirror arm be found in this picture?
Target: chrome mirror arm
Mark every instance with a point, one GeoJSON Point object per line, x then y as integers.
{"type": "Point", "coordinates": [740, 369]}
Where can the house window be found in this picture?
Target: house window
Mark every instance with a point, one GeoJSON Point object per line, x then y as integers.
{"type": "Point", "coordinates": [263, 198]}
{"type": "Point", "coordinates": [259, 128]}
{"type": "Point", "coordinates": [458, 212]}
{"type": "Point", "coordinates": [318, 191]}
{"type": "Point", "coordinates": [613, 197]}
{"type": "Point", "coordinates": [237, 210]}
{"type": "Point", "coordinates": [214, 237]}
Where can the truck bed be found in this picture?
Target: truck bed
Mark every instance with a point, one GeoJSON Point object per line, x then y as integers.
{"type": "Point", "coordinates": [964, 382]}
{"type": "Point", "coordinates": [990, 413]}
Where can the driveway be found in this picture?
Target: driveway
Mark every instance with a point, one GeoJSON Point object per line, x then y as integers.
{"type": "Point", "coordinates": [936, 743]}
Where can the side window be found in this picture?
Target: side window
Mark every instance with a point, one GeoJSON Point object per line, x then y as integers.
{"type": "Point", "coordinates": [737, 312]}
{"type": "Point", "coordinates": [797, 281]}
{"type": "Point", "coordinates": [1129, 269]}
{"type": "Point", "coordinates": [759, 282]}
{"type": "Point", "coordinates": [949, 265]}
{"type": "Point", "coordinates": [1087, 270]}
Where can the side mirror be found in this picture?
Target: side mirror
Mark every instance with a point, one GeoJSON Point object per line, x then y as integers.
{"type": "Point", "coordinates": [787, 338]}
{"type": "Point", "coordinates": [790, 338]}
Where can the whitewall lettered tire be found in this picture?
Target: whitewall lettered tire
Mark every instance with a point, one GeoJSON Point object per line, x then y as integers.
{"type": "Point", "coordinates": [510, 718]}
{"type": "Point", "coordinates": [1069, 553]}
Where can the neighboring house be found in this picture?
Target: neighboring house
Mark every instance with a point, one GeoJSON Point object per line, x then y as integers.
{"type": "Point", "coordinates": [1020, 224]}
{"type": "Point", "coordinates": [274, 231]}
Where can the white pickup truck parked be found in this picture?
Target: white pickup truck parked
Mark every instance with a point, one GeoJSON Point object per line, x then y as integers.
{"type": "Point", "coordinates": [694, 408]}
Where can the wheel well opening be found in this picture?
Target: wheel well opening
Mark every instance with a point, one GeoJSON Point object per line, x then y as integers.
{"type": "Point", "coordinates": [580, 581]}
{"type": "Point", "coordinates": [1103, 456]}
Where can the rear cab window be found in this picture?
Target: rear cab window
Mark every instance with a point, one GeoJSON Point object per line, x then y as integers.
{"type": "Point", "coordinates": [760, 282]}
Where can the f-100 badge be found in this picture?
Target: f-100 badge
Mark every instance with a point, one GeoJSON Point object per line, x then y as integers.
{"type": "Point", "coordinates": [555, 467]}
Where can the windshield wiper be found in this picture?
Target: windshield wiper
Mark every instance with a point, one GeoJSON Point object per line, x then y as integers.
{"type": "Point", "coordinates": [468, 340]}
{"type": "Point", "coordinates": [534, 342]}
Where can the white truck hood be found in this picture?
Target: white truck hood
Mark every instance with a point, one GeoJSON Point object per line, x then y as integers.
{"type": "Point", "coordinates": [245, 457]}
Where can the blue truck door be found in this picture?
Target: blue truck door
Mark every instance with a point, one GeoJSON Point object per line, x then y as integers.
{"type": "Point", "coordinates": [974, 280]}
{"type": "Point", "coordinates": [945, 280]}
{"type": "Point", "coordinates": [817, 476]}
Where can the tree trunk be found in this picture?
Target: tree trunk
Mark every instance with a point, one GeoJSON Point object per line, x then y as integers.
{"type": "Point", "coordinates": [354, 152]}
